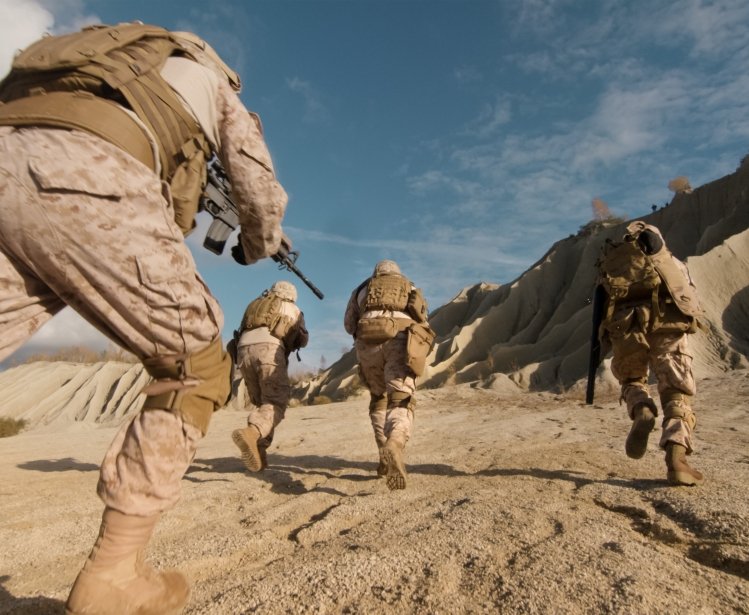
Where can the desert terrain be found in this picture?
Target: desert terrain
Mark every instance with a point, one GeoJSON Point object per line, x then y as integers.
{"type": "Point", "coordinates": [516, 503]}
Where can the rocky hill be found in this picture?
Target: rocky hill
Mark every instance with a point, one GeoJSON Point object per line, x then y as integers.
{"type": "Point", "coordinates": [533, 333]}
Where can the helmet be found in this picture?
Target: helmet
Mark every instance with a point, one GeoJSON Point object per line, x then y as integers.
{"type": "Point", "coordinates": [386, 266]}
{"type": "Point", "coordinates": [285, 290]}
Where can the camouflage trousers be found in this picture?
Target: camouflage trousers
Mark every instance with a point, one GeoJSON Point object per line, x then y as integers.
{"type": "Point", "coordinates": [264, 367]}
{"type": "Point", "coordinates": [84, 224]}
{"type": "Point", "coordinates": [384, 369]}
{"type": "Point", "coordinates": [669, 358]}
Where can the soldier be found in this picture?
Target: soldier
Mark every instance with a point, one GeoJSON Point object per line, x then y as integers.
{"type": "Point", "coordinates": [104, 137]}
{"type": "Point", "coordinates": [387, 315]}
{"type": "Point", "coordinates": [272, 327]}
{"type": "Point", "coordinates": [650, 310]}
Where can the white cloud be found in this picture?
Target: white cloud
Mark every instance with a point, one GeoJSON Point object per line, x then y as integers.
{"type": "Point", "coordinates": [21, 23]}
{"type": "Point", "coordinates": [24, 21]}
{"type": "Point", "coordinates": [67, 329]}
{"type": "Point", "coordinates": [314, 108]}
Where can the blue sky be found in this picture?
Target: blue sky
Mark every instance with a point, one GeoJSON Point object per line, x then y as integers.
{"type": "Point", "coordinates": [459, 138]}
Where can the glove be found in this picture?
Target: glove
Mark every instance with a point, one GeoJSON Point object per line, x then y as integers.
{"type": "Point", "coordinates": [649, 242]}
{"type": "Point", "coordinates": [237, 253]}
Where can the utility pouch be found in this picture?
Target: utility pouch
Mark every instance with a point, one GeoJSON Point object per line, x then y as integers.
{"type": "Point", "coordinates": [417, 305]}
{"type": "Point", "coordinates": [380, 329]}
{"type": "Point", "coordinates": [418, 346]}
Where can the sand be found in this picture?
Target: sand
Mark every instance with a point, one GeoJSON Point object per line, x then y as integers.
{"type": "Point", "coordinates": [516, 504]}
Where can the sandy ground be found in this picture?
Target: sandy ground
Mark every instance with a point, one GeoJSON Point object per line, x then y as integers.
{"type": "Point", "coordinates": [524, 504]}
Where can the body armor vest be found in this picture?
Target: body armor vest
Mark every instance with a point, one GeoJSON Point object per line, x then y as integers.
{"type": "Point", "coordinates": [267, 311]}
{"type": "Point", "coordinates": [73, 81]}
{"type": "Point", "coordinates": [629, 275]}
{"type": "Point", "coordinates": [387, 292]}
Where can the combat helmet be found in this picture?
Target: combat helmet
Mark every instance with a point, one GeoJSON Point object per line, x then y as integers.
{"type": "Point", "coordinates": [385, 267]}
{"type": "Point", "coordinates": [285, 290]}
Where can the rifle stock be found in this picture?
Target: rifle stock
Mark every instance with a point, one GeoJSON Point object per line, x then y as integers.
{"type": "Point", "coordinates": [599, 302]}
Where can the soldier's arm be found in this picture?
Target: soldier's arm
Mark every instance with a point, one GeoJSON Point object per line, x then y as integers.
{"type": "Point", "coordinates": [260, 198]}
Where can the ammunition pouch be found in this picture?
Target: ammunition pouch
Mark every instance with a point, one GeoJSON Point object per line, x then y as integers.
{"type": "Point", "coordinates": [380, 329]}
{"type": "Point", "coordinates": [193, 385]}
{"type": "Point", "coordinates": [419, 344]}
{"type": "Point", "coordinates": [416, 307]}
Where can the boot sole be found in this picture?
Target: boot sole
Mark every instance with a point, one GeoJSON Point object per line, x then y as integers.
{"type": "Point", "coordinates": [250, 454]}
{"type": "Point", "coordinates": [396, 474]}
{"type": "Point", "coordinates": [684, 479]}
{"type": "Point", "coordinates": [637, 440]}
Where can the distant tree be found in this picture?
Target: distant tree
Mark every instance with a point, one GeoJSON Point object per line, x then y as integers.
{"type": "Point", "coordinates": [680, 185]}
{"type": "Point", "coordinates": [601, 211]}
{"type": "Point", "coordinates": [323, 363]}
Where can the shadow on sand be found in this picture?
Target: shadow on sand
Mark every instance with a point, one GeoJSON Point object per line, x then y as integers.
{"type": "Point", "coordinates": [28, 605]}
{"type": "Point", "coordinates": [68, 464]}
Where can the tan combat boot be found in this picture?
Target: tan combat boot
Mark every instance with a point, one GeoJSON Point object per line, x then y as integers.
{"type": "Point", "coordinates": [115, 579]}
{"type": "Point", "coordinates": [679, 471]}
{"type": "Point", "coordinates": [247, 441]}
{"type": "Point", "coordinates": [642, 424]}
{"type": "Point", "coordinates": [393, 452]}
{"type": "Point", "coordinates": [382, 467]}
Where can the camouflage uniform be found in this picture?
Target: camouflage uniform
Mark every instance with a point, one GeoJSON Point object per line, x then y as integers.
{"type": "Point", "coordinates": [85, 224]}
{"type": "Point", "coordinates": [263, 359]}
{"type": "Point", "coordinates": [384, 370]}
{"type": "Point", "coordinates": [651, 332]}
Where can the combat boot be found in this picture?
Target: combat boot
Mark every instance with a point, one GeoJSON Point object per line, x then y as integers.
{"type": "Point", "coordinates": [679, 471]}
{"type": "Point", "coordinates": [247, 441]}
{"type": "Point", "coordinates": [115, 579]}
{"type": "Point", "coordinates": [263, 450]}
{"type": "Point", "coordinates": [643, 422]}
{"type": "Point", "coordinates": [382, 467]}
{"type": "Point", "coordinates": [393, 453]}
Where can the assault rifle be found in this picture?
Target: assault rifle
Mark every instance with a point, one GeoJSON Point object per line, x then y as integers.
{"type": "Point", "coordinates": [216, 200]}
{"type": "Point", "coordinates": [599, 302]}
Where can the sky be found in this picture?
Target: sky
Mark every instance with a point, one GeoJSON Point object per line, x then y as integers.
{"type": "Point", "coordinates": [460, 138]}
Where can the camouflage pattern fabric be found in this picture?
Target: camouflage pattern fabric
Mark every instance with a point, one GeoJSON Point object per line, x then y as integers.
{"type": "Point", "coordinates": [264, 369]}
{"type": "Point", "coordinates": [669, 358]}
{"type": "Point", "coordinates": [84, 224]}
{"type": "Point", "coordinates": [384, 368]}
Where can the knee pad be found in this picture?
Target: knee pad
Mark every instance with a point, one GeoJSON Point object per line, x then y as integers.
{"type": "Point", "coordinates": [377, 402]}
{"type": "Point", "coordinates": [679, 409]}
{"type": "Point", "coordinates": [399, 399]}
{"type": "Point", "coordinates": [194, 385]}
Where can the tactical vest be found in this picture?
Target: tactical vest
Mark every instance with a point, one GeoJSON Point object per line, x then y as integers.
{"type": "Point", "coordinates": [267, 311]}
{"type": "Point", "coordinates": [73, 81]}
{"type": "Point", "coordinates": [388, 291]}
{"type": "Point", "coordinates": [629, 275]}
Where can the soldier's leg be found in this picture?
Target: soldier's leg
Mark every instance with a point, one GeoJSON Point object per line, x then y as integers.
{"type": "Point", "coordinates": [401, 387]}
{"type": "Point", "coordinates": [377, 415]}
{"type": "Point", "coordinates": [93, 225]}
{"type": "Point", "coordinates": [271, 373]}
{"type": "Point", "coordinates": [672, 364]}
{"type": "Point", "coordinates": [371, 359]}
{"type": "Point", "coordinates": [630, 366]}
{"type": "Point", "coordinates": [26, 304]}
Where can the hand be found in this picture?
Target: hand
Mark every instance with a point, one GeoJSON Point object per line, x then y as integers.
{"type": "Point", "coordinates": [237, 253]}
